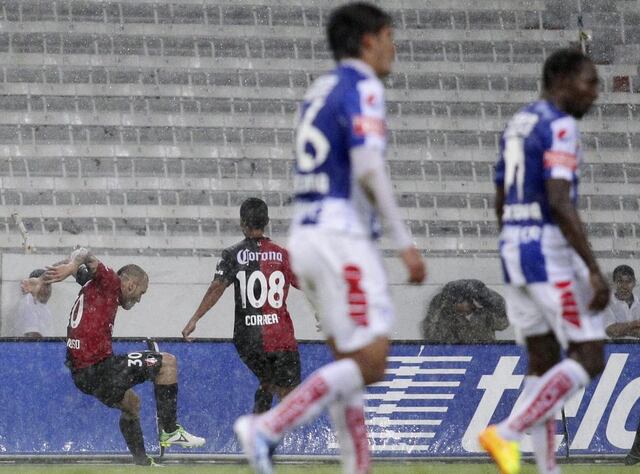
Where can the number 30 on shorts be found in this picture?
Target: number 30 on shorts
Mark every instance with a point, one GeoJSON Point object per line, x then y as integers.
{"type": "Point", "coordinates": [134, 359]}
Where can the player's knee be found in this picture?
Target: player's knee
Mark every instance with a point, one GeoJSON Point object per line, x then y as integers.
{"type": "Point", "coordinates": [543, 352]}
{"type": "Point", "coordinates": [373, 370]}
{"type": "Point", "coordinates": [540, 363]}
{"type": "Point", "coordinates": [169, 362]}
{"type": "Point", "coordinates": [593, 364]}
{"type": "Point", "coordinates": [590, 356]}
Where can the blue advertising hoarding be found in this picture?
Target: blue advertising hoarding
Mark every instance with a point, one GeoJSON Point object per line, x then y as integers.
{"type": "Point", "coordinates": [433, 402]}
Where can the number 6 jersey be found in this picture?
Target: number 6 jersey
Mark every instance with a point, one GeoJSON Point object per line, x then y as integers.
{"type": "Point", "coordinates": [342, 110]}
{"type": "Point", "coordinates": [260, 272]}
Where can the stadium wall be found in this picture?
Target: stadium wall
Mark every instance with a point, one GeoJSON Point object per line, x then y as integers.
{"type": "Point", "coordinates": [432, 404]}
{"type": "Point", "coordinates": [177, 285]}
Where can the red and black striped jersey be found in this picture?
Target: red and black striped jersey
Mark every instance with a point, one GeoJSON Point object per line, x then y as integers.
{"type": "Point", "coordinates": [89, 334]}
{"type": "Point", "coordinates": [261, 275]}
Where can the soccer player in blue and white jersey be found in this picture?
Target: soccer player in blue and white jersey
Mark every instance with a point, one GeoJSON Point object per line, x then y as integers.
{"type": "Point", "coordinates": [341, 189]}
{"type": "Point", "coordinates": [555, 290]}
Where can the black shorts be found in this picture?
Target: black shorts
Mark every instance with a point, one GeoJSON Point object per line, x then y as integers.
{"type": "Point", "coordinates": [278, 369]}
{"type": "Point", "coordinates": [109, 379]}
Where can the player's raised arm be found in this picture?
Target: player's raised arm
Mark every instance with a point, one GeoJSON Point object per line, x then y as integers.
{"type": "Point", "coordinates": [210, 298]}
{"type": "Point", "coordinates": [64, 269]}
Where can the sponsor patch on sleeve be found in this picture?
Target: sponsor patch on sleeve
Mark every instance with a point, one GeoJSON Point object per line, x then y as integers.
{"type": "Point", "coordinates": [560, 158]}
{"type": "Point", "coordinates": [363, 125]}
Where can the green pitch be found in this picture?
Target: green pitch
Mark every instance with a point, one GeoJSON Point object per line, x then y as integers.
{"type": "Point", "coordinates": [395, 468]}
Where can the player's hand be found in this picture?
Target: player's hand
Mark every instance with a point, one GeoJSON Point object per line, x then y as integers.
{"type": "Point", "coordinates": [415, 264]}
{"type": "Point", "coordinates": [188, 329]}
{"type": "Point", "coordinates": [601, 291]}
{"type": "Point", "coordinates": [59, 272]}
{"type": "Point", "coordinates": [31, 285]}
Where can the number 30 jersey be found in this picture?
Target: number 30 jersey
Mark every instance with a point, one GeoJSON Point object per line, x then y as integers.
{"type": "Point", "coordinates": [342, 110]}
{"type": "Point", "coordinates": [90, 329]}
{"type": "Point", "coordinates": [539, 143]}
{"type": "Point", "coordinates": [260, 272]}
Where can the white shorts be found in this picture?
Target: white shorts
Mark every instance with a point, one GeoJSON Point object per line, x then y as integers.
{"type": "Point", "coordinates": [561, 307]}
{"type": "Point", "coordinates": [345, 280]}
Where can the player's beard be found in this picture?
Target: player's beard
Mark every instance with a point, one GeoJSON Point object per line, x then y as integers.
{"type": "Point", "coordinates": [128, 304]}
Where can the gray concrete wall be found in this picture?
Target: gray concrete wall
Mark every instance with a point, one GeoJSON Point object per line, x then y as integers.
{"type": "Point", "coordinates": [177, 285]}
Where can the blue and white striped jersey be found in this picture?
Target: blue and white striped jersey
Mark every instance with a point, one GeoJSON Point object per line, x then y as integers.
{"type": "Point", "coordinates": [539, 143]}
{"type": "Point", "coordinates": [342, 110]}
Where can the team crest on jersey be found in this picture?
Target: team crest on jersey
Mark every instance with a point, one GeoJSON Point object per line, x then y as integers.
{"type": "Point", "coordinates": [151, 361]}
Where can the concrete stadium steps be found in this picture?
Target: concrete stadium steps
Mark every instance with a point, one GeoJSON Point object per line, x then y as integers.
{"type": "Point", "coordinates": [81, 155]}
{"type": "Point", "coordinates": [276, 72]}
{"type": "Point", "coordinates": [131, 242]}
{"type": "Point", "coordinates": [264, 184]}
{"type": "Point", "coordinates": [31, 94]}
{"type": "Point", "coordinates": [139, 126]}
{"type": "Point", "coordinates": [265, 121]}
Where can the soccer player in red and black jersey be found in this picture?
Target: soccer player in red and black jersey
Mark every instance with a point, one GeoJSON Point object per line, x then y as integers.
{"type": "Point", "coordinates": [263, 331]}
{"type": "Point", "coordinates": [97, 371]}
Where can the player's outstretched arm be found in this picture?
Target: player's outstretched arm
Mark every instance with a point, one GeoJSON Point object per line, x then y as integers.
{"type": "Point", "coordinates": [567, 217]}
{"type": "Point", "coordinates": [62, 270]}
{"type": "Point", "coordinates": [368, 165]}
{"type": "Point", "coordinates": [210, 298]}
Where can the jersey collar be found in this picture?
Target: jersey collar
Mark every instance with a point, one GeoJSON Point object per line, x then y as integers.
{"type": "Point", "coordinates": [359, 66]}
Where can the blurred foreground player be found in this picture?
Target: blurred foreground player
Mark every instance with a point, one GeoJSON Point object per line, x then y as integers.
{"type": "Point", "coordinates": [263, 331]}
{"type": "Point", "coordinates": [97, 371]}
{"type": "Point", "coordinates": [340, 184]}
{"type": "Point", "coordinates": [555, 290]}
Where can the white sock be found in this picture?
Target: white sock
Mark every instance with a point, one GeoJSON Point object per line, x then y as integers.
{"type": "Point", "coordinates": [557, 385]}
{"type": "Point", "coordinates": [335, 380]}
{"type": "Point", "coordinates": [543, 438]}
{"type": "Point", "coordinates": [347, 417]}
{"type": "Point", "coordinates": [542, 434]}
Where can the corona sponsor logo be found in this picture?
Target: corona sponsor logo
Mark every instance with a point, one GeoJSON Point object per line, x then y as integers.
{"type": "Point", "coordinates": [245, 256]}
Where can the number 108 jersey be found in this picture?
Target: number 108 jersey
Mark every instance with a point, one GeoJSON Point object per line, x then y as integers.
{"type": "Point", "coordinates": [539, 143]}
{"type": "Point", "coordinates": [260, 272]}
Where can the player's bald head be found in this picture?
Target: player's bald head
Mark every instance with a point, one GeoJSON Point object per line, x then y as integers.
{"type": "Point", "coordinates": [133, 272]}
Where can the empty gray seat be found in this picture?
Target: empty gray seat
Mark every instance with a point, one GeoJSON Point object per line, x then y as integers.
{"type": "Point", "coordinates": [477, 51]}
{"type": "Point", "coordinates": [456, 171]}
{"type": "Point", "coordinates": [239, 15]}
{"type": "Point", "coordinates": [140, 197]}
{"type": "Point", "coordinates": [601, 202]}
{"type": "Point", "coordinates": [455, 201]}
{"type": "Point", "coordinates": [609, 173]}
{"type": "Point", "coordinates": [424, 51]}
{"type": "Point", "coordinates": [288, 16]}
{"type": "Point", "coordinates": [405, 169]}
{"type": "Point", "coordinates": [443, 229]}
{"type": "Point", "coordinates": [632, 172]}
{"type": "Point", "coordinates": [87, 198]}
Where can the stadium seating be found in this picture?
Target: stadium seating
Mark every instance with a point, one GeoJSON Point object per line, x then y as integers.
{"type": "Point", "coordinates": [143, 124]}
